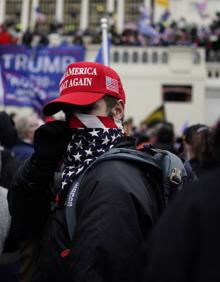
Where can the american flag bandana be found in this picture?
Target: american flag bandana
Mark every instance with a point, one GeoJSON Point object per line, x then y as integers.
{"type": "Point", "coordinates": [91, 138]}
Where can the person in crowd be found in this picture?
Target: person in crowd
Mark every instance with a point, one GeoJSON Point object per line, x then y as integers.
{"type": "Point", "coordinates": [142, 129]}
{"type": "Point", "coordinates": [43, 40]}
{"type": "Point", "coordinates": [5, 36]}
{"type": "Point", "coordinates": [162, 137]}
{"type": "Point", "coordinates": [26, 124]}
{"type": "Point", "coordinates": [130, 37]}
{"type": "Point", "coordinates": [198, 148]}
{"type": "Point", "coordinates": [8, 137]}
{"type": "Point", "coordinates": [129, 126]}
{"type": "Point", "coordinates": [117, 203]}
{"type": "Point", "coordinates": [142, 140]}
{"type": "Point", "coordinates": [141, 135]}
{"type": "Point", "coordinates": [165, 32]}
{"type": "Point", "coordinates": [9, 257]}
{"type": "Point", "coordinates": [78, 40]}
{"type": "Point", "coordinates": [27, 38]}
{"type": "Point", "coordinates": [185, 242]}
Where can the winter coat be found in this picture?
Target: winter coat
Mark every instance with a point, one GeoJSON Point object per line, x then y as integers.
{"type": "Point", "coordinates": [8, 137]}
{"type": "Point", "coordinates": [22, 150]}
{"type": "Point", "coordinates": [9, 167]}
{"type": "Point", "coordinates": [116, 207]}
{"type": "Point", "coordinates": [9, 258]}
{"type": "Point", "coordinates": [8, 133]}
{"type": "Point", "coordinates": [184, 245]}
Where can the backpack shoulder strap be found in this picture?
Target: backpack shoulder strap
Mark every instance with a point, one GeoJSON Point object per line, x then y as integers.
{"type": "Point", "coordinates": [113, 154]}
{"type": "Point", "coordinates": [128, 155]}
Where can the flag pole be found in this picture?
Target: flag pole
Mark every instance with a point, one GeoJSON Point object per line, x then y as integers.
{"type": "Point", "coordinates": [104, 27]}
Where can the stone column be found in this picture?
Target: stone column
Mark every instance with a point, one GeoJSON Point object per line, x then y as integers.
{"type": "Point", "coordinates": [110, 6]}
{"type": "Point", "coordinates": [120, 15]}
{"type": "Point", "coordinates": [146, 3]}
{"type": "Point", "coordinates": [25, 14]}
{"type": "Point", "coordinates": [84, 15]}
{"type": "Point", "coordinates": [59, 11]}
{"type": "Point", "coordinates": [35, 4]}
{"type": "Point", "coordinates": [2, 11]}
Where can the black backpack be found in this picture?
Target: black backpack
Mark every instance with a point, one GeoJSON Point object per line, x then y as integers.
{"type": "Point", "coordinates": [168, 164]}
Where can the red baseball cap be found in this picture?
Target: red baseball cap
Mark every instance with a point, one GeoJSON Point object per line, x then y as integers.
{"type": "Point", "coordinates": [84, 83]}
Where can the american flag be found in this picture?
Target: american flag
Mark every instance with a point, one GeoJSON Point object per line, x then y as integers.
{"type": "Point", "coordinates": [112, 84]}
{"type": "Point", "coordinates": [86, 146]}
{"type": "Point", "coordinates": [93, 135]}
{"type": "Point", "coordinates": [92, 121]}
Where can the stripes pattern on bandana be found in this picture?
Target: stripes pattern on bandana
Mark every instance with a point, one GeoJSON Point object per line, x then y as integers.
{"type": "Point", "coordinates": [92, 136]}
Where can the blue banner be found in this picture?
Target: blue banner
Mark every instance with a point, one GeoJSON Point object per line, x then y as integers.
{"type": "Point", "coordinates": [30, 77]}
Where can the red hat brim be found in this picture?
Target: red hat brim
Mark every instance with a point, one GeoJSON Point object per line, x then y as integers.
{"type": "Point", "coordinates": [76, 98]}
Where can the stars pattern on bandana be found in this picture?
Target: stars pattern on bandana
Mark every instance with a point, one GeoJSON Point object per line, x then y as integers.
{"type": "Point", "coordinates": [85, 146]}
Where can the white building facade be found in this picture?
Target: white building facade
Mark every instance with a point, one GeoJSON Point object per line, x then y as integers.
{"type": "Point", "coordinates": [87, 13]}
{"type": "Point", "coordinates": [179, 78]}
{"type": "Point", "coordinates": [149, 74]}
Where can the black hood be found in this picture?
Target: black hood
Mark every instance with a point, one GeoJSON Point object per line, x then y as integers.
{"type": "Point", "coordinates": [8, 133]}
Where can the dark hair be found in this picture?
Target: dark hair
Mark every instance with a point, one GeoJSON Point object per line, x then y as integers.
{"type": "Point", "coordinates": [8, 133]}
{"type": "Point", "coordinates": [190, 131]}
{"type": "Point", "coordinates": [205, 148]}
{"type": "Point", "coordinates": [200, 138]}
{"type": "Point", "coordinates": [110, 102]}
{"type": "Point", "coordinates": [164, 133]}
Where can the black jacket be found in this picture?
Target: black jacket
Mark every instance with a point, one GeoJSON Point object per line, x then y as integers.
{"type": "Point", "coordinates": [117, 206]}
{"type": "Point", "coordinates": [8, 133]}
{"type": "Point", "coordinates": [8, 168]}
{"type": "Point", "coordinates": [8, 137]}
{"type": "Point", "coordinates": [185, 243]}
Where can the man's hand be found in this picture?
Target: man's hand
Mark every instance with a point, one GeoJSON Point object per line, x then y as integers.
{"type": "Point", "coordinates": [50, 142]}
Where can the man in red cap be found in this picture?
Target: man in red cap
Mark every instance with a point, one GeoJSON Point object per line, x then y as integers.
{"type": "Point", "coordinates": [97, 230]}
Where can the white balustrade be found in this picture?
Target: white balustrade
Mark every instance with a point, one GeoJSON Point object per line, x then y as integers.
{"type": "Point", "coordinates": [213, 70]}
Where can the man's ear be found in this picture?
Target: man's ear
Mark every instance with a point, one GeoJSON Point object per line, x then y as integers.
{"type": "Point", "coordinates": [118, 110]}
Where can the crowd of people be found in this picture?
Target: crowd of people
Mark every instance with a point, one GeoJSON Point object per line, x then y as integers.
{"type": "Point", "coordinates": [164, 33]}
{"type": "Point", "coordinates": [91, 198]}
{"type": "Point", "coordinates": [88, 196]}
